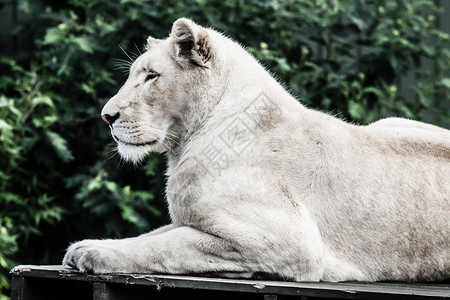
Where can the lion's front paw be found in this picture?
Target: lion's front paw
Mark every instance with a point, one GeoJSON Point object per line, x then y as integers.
{"type": "Point", "coordinates": [94, 256]}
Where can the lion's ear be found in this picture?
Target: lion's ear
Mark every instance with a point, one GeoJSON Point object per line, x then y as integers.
{"type": "Point", "coordinates": [190, 44]}
{"type": "Point", "coordinates": [151, 41]}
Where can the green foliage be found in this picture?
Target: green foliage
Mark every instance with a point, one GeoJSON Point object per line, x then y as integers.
{"type": "Point", "coordinates": [26, 119]}
{"type": "Point", "coordinates": [131, 205]}
{"type": "Point", "coordinates": [59, 178]}
{"type": "Point", "coordinates": [8, 247]}
{"type": "Point", "coordinates": [354, 57]}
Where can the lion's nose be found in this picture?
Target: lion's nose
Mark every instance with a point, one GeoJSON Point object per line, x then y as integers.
{"type": "Point", "coordinates": [110, 119]}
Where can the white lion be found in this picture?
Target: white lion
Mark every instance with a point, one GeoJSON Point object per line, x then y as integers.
{"type": "Point", "coordinates": [259, 185]}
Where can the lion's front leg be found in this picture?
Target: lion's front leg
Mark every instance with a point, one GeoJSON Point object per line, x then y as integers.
{"type": "Point", "coordinates": [177, 251]}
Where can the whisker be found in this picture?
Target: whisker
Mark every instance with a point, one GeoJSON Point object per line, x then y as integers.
{"type": "Point", "coordinates": [112, 150]}
{"type": "Point", "coordinates": [124, 70]}
{"type": "Point", "coordinates": [134, 55]}
{"type": "Point", "coordinates": [137, 48]}
{"type": "Point", "coordinates": [171, 137]}
{"type": "Point", "coordinates": [113, 155]}
{"type": "Point", "coordinates": [131, 60]}
{"type": "Point", "coordinates": [124, 61]}
{"type": "Point", "coordinates": [121, 163]}
{"type": "Point", "coordinates": [121, 68]}
{"type": "Point", "coordinates": [168, 148]}
{"type": "Point", "coordinates": [122, 64]}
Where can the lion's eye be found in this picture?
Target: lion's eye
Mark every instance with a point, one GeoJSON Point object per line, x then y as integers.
{"type": "Point", "coordinates": [151, 75]}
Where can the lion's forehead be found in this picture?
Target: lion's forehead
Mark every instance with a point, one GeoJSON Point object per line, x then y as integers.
{"type": "Point", "coordinates": [156, 57]}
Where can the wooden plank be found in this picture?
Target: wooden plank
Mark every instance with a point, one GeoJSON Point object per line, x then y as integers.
{"type": "Point", "coordinates": [100, 291]}
{"type": "Point", "coordinates": [348, 290]}
{"type": "Point", "coordinates": [17, 288]}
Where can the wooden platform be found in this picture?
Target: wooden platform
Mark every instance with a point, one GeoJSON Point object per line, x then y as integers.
{"type": "Point", "coordinates": [57, 282]}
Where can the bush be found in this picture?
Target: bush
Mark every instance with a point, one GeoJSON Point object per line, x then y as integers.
{"type": "Point", "coordinates": [60, 179]}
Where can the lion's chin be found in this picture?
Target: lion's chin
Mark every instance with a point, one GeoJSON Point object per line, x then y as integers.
{"type": "Point", "coordinates": [133, 153]}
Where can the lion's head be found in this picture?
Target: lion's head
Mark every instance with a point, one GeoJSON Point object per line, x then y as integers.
{"type": "Point", "coordinates": [157, 106]}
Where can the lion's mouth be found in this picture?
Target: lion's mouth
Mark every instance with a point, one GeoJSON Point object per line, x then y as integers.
{"type": "Point", "coordinates": [150, 143]}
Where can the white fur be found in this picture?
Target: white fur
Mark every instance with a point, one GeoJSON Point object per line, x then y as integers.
{"type": "Point", "coordinates": [260, 185]}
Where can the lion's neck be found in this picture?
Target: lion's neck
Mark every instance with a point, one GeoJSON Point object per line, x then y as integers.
{"type": "Point", "coordinates": [242, 88]}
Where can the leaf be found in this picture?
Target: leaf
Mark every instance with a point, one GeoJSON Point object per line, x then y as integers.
{"type": "Point", "coordinates": [87, 89]}
{"type": "Point", "coordinates": [355, 109]}
{"type": "Point", "coordinates": [60, 146]}
{"type": "Point", "coordinates": [445, 82]}
{"type": "Point", "coordinates": [6, 133]}
{"type": "Point", "coordinates": [10, 105]}
{"type": "Point", "coordinates": [408, 113]}
{"type": "Point", "coordinates": [52, 36]}
{"type": "Point", "coordinates": [130, 215]}
{"type": "Point", "coordinates": [84, 43]}
{"type": "Point", "coordinates": [5, 126]}
{"type": "Point", "coordinates": [12, 198]}
{"type": "Point", "coordinates": [42, 100]}
{"type": "Point", "coordinates": [424, 99]}
{"type": "Point", "coordinates": [358, 22]}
